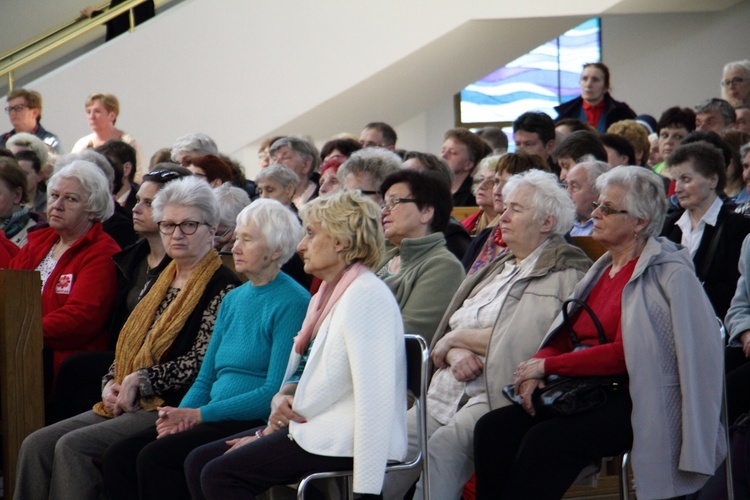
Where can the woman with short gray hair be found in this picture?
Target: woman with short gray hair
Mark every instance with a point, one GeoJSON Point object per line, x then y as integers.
{"type": "Point", "coordinates": [74, 257]}
{"type": "Point", "coordinates": [660, 333]}
{"type": "Point", "coordinates": [279, 183]}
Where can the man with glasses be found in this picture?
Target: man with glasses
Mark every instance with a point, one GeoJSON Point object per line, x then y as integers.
{"type": "Point", "coordinates": [25, 111]}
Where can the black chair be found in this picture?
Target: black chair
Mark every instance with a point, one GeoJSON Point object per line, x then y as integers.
{"type": "Point", "coordinates": [417, 361]}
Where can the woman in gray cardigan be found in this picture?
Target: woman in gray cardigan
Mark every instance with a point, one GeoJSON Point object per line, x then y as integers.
{"type": "Point", "coordinates": [661, 332]}
{"type": "Point", "coordinates": [420, 271]}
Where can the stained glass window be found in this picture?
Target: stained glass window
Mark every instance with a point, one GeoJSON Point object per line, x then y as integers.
{"type": "Point", "coordinates": [537, 81]}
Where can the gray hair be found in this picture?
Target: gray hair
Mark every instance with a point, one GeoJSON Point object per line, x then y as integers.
{"type": "Point", "coordinates": [90, 156]}
{"type": "Point", "coordinates": [281, 229]}
{"type": "Point", "coordinates": [593, 170]}
{"type": "Point", "coordinates": [488, 163]}
{"type": "Point", "coordinates": [725, 109]}
{"type": "Point", "coordinates": [550, 199]}
{"type": "Point", "coordinates": [744, 150]}
{"type": "Point", "coordinates": [279, 173]}
{"type": "Point", "coordinates": [299, 146]}
{"type": "Point", "coordinates": [195, 142]}
{"type": "Point", "coordinates": [231, 201]}
{"type": "Point", "coordinates": [644, 194]}
{"type": "Point", "coordinates": [188, 192]}
{"type": "Point", "coordinates": [34, 143]}
{"type": "Point", "coordinates": [378, 163]}
{"type": "Point", "coordinates": [99, 199]}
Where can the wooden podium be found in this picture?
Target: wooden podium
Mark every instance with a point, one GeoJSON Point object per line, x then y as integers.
{"type": "Point", "coordinates": [21, 379]}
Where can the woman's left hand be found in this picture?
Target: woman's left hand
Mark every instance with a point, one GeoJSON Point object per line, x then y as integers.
{"type": "Point", "coordinates": [531, 369]}
{"type": "Point", "coordinates": [240, 442]}
{"type": "Point", "coordinates": [128, 399]}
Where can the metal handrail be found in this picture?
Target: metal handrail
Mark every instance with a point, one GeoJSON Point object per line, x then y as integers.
{"type": "Point", "coordinates": [45, 43]}
{"type": "Point", "coordinates": [57, 29]}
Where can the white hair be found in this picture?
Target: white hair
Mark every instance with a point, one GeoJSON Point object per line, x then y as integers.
{"type": "Point", "coordinates": [280, 227]}
{"type": "Point", "coordinates": [550, 199]}
{"type": "Point", "coordinates": [99, 199]}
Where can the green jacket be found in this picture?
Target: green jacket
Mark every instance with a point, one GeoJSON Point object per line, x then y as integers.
{"type": "Point", "coordinates": [427, 279]}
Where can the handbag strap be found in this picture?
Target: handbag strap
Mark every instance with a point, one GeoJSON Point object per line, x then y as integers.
{"type": "Point", "coordinates": [592, 315]}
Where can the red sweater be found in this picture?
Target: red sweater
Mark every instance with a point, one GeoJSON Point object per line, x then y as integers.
{"type": "Point", "coordinates": [605, 300]}
{"type": "Point", "coordinates": [78, 296]}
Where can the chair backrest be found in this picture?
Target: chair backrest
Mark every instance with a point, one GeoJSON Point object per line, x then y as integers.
{"type": "Point", "coordinates": [417, 358]}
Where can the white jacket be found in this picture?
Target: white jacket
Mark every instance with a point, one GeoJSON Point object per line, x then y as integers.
{"type": "Point", "coordinates": [352, 392]}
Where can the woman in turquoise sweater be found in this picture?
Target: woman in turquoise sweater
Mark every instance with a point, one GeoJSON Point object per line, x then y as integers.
{"type": "Point", "coordinates": [242, 368]}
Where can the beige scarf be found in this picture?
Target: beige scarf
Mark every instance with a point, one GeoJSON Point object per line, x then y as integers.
{"type": "Point", "coordinates": [142, 340]}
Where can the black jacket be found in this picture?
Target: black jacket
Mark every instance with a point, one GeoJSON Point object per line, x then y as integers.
{"type": "Point", "coordinates": [614, 111]}
{"type": "Point", "coordinates": [718, 275]}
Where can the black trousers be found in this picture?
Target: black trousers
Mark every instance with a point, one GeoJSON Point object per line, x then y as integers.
{"type": "Point", "coordinates": [254, 468]}
{"type": "Point", "coordinates": [144, 467]}
{"type": "Point", "coordinates": [737, 368]}
{"type": "Point", "coordinates": [517, 456]}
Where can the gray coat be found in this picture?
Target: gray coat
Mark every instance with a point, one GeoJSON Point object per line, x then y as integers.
{"type": "Point", "coordinates": [674, 356]}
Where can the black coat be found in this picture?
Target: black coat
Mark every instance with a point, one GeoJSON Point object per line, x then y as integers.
{"type": "Point", "coordinates": [614, 111]}
{"type": "Point", "coordinates": [719, 275]}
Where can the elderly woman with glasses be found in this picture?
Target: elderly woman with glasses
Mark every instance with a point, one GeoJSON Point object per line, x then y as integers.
{"type": "Point", "coordinates": [159, 352]}
{"type": "Point", "coordinates": [661, 332]}
{"type": "Point", "coordinates": [420, 271]}
{"type": "Point", "coordinates": [484, 181]}
{"type": "Point", "coordinates": [74, 258]}
{"type": "Point", "coordinates": [242, 368]}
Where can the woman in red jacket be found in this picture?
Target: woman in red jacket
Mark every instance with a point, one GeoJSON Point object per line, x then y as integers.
{"type": "Point", "coordinates": [74, 257]}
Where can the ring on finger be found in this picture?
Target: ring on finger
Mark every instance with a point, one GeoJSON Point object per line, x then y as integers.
{"type": "Point", "coordinates": [280, 423]}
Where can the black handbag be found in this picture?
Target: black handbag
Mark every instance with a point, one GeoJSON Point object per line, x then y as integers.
{"type": "Point", "coordinates": [565, 396]}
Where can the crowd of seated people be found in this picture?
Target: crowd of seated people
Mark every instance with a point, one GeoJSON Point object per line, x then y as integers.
{"type": "Point", "coordinates": [183, 355]}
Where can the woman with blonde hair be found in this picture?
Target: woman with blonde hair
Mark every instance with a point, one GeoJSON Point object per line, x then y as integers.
{"type": "Point", "coordinates": [342, 403]}
{"type": "Point", "coordinates": [102, 111]}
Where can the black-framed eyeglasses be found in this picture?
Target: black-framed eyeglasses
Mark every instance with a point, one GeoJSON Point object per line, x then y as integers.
{"type": "Point", "coordinates": [724, 83]}
{"type": "Point", "coordinates": [162, 176]}
{"type": "Point", "coordinates": [16, 108]}
{"type": "Point", "coordinates": [607, 210]}
{"type": "Point", "coordinates": [187, 227]}
{"type": "Point", "coordinates": [389, 204]}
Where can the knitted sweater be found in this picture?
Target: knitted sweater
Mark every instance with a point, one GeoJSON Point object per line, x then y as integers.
{"type": "Point", "coordinates": [425, 283]}
{"type": "Point", "coordinates": [248, 351]}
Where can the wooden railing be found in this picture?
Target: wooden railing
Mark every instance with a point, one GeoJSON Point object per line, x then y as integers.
{"type": "Point", "coordinates": [60, 35]}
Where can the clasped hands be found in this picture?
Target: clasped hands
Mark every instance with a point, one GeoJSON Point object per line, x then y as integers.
{"type": "Point", "coordinates": [529, 376]}
{"type": "Point", "coordinates": [465, 365]}
{"type": "Point", "coordinates": [122, 398]}
{"type": "Point", "coordinates": [173, 420]}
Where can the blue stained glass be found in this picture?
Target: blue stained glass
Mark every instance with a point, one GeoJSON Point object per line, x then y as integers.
{"type": "Point", "coordinates": [538, 81]}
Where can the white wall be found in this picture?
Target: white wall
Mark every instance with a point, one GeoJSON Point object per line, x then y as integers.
{"type": "Point", "coordinates": [240, 71]}
{"type": "Point", "coordinates": [663, 60]}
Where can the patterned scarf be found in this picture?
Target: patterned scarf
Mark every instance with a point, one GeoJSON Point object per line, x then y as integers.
{"type": "Point", "coordinates": [17, 221]}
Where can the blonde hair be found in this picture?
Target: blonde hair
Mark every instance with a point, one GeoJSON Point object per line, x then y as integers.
{"type": "Point", "coordinates": [110, 102]}
{"type": "Point", "coordinates": [353, 220]}
{"type": "Point", "coordinates": [635, 133]}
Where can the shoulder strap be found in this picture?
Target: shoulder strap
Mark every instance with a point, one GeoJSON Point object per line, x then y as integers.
{"type": "Point", "coordinates": [594, 319]}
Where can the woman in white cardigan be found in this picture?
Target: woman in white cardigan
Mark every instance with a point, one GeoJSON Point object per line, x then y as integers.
{"type": "Point", "coordinates": [343, 402]}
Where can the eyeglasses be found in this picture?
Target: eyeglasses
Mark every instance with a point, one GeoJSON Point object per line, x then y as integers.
{"type": "Point", "coordinates": [389, 204]}
{"type": "Point", "coordinates": [607, 210]}
{"type": "Point", "coordinates": [223, 234]}
{"type": "Point", "coordinates": [724, 83]}
{"type": "Point", "coordinates": [16, 108]}
{"type": "Point", "coordinates": [187, 227]}
{"type": "Point", "coordinates": [485, 183]}
{"type": "Point", "coordinates": [162, 176]}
